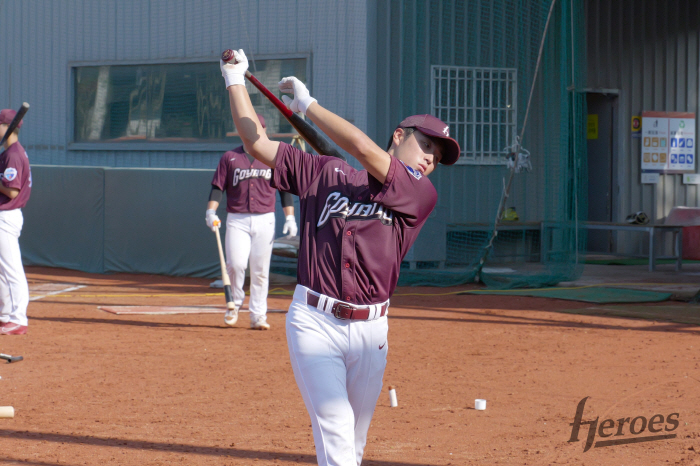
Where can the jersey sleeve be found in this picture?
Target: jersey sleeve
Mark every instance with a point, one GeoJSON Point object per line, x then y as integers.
{"type": "Point", "coordinates": [286, 199]}
{"type": "Point", "coordinates": [405, 191]}
{"type": "Point", "coordinates": [295, 169]}
{"type": "Point", "coordinates": [221, 174]}
{"type": "Point", "coordinates": [14, 171]}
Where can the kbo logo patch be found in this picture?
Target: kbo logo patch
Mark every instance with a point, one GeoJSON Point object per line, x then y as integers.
{"type": "Point", "coordinates": [416, 174]}
{"type": "Point", "coordinates": [10, 174]}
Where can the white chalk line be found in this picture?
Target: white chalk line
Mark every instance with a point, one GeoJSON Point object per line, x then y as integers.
{"type": "Point", "coordinates": [66, 290]}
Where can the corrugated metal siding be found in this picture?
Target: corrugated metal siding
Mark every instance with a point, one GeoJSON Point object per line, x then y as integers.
{"type": "Point", "coordinates": [648, 50]}
{"type": "Point", "coordinates": [41, 38]}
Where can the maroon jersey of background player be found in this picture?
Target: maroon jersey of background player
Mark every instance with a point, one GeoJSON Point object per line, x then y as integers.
{"type": "Point", "coordinates": [247, 184]}
{"type": "Point", "coordinates": [15, 173]}
{"type": "Point", "coordinates": [355, 231]}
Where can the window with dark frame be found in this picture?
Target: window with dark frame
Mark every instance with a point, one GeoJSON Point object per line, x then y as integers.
{"type": "Point", "coordinates": [183, 102]}
{"type": "Point", "coordinates": [480, 105]}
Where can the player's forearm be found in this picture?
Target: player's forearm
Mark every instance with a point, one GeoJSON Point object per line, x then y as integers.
{"type": "Point", "coordinates": [249, 128]}
{"type": "Point", "coordinates": [212, 205]}
{"type": "Point", "coordinates": [288, 210]}
{"type": "Point", "coordinates": [352, 140]}
{"type": "Point", "coordinates": [9, 192]}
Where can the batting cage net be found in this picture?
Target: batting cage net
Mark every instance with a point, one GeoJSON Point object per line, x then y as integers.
{"type": "Point", "coordinates": [511, 93]}
{"type": "Point", "coordinates": [506, 75]}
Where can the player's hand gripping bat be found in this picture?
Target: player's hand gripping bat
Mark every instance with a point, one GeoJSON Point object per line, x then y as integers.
{"type": "Point", "coordinates": [232, 314]}
{"type": "Point", "coordinates": [305, 130]}
{"type": "Point", "coordinates": [15, 122]}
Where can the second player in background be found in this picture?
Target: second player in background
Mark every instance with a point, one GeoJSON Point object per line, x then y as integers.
{"type": "Point", "coordinates": [250, 227]}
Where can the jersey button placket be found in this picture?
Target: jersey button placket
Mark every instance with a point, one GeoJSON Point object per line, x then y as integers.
{"type": "Point", "coordinates": [348, 255]}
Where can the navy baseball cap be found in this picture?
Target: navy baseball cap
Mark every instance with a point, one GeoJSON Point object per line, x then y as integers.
{"type": "Point", "coordinates": [262, 120]}
{"type": "Point", "coordinates": [435, 128]}
{"type": "Point", "coordinates": [7, 115]}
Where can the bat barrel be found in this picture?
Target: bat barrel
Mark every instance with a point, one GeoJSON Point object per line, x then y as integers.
{"type": "Point", "coordinates": [15, 122]}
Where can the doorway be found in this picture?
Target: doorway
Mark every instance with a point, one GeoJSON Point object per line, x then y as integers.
{"type": "Point", "coordinates": [601, 120]}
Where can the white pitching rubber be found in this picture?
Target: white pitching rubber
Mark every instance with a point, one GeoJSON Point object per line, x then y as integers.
{"type": "Point", "coordinates": [7, 412]}
{"type": "Point", "coordinates": [480, 405]}
{"type": "Point", "coordinates": [393, 402]}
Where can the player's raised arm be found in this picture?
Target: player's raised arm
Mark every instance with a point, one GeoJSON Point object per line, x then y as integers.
{"type": "Point", "coordinates": [345, 134]}
{"type": "Point", "coordinates": [249, 128]}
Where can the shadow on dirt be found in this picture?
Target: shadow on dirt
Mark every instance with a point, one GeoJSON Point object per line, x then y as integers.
{"type": "Point", "coordinates": [136, 323]}
{"type": "Point", "coordinates": [496, 316]}
{"type": "Point", "coordinates": [224, 452]}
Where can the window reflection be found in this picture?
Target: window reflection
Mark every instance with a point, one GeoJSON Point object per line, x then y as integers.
{"type": "Point", "coordinates": [169, 102]}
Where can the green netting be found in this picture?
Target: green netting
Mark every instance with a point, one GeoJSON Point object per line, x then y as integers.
{"type": "Point", "coordinates": [485, 58]}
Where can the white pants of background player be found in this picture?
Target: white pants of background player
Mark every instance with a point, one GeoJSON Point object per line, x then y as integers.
{"type": "Point", "coordinates": [14, 291]}
{"type": "Point", "coordinates": [339, 366]}
{"type": "Point", "coordinates": [250, 237]}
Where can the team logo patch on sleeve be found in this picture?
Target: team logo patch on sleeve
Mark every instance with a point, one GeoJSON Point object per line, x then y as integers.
{"type": "Point", "coordinates": [416, 174]}
{"type": "Point", "coordinates": [10, 174]}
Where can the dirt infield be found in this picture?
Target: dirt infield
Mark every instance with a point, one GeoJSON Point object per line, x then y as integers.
{"type": "Point", "coordinates": [98, 388]}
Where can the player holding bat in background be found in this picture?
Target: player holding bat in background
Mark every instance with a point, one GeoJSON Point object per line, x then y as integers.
{"type": "Point", "coordinates": [356, 228]}
{"type": "Point", "coordinates": [15, 188]}
{"type": "Point", "coordinates": [250, 227]}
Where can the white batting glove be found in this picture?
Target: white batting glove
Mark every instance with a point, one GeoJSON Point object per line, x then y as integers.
{"type": "Point", "coordinates": [290, 226]}
{"type": "Point", "coordinates": [234, 74]}
{"type": "Point", "coordinates": [212, 219]}
{"type": "Point", "coordinates": [302, 98]}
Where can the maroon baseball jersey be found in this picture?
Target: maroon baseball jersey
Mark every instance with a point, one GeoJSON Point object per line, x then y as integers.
{"type": "Point", "coordinates": [247, 185]}
{"type": "Point", "coordinates": [15, 173]}
{"type": "Point", "coordinates": [354, 231]}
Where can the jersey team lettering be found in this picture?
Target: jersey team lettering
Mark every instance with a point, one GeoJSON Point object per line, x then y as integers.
{"type": "Point", "coordinates": [339, 206]}
{"type": "Point", "coordinates": [240, 175]}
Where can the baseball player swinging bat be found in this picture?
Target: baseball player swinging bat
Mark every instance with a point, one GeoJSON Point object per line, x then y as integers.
{"type": "Point", "coordinates": [15, 121]}
{"type": "Point", "coordinates": [231, 311]}
{"type": "Point", "coordinates": [305, 130]}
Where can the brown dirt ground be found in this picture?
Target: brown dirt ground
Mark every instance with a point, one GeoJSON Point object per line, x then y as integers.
{"type": "Point", "coordinates": [97, 388]}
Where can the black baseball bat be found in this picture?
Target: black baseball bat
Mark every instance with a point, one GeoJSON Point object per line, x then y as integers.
{"type": "Point", "coordinates": [15, 122]}
{"type": "Point", "coordinates": [305, 130]}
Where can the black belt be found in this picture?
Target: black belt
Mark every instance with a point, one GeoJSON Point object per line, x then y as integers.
{"type": "Point", "coordinates": [343, 310]}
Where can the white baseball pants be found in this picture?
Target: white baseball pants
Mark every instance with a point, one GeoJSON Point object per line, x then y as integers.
{"type": "Point", "coordinates": [14, 290]}
{"type": "Point", "coordinates": [338, 366]}
{"type": "Point", "coordinates": [250, 237]}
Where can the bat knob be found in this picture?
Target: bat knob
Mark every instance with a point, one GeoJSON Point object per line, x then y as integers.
{"type": "Point", "coordinates": [227, 56]}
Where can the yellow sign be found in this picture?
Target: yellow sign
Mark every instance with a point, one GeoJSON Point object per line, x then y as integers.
{"type": "Point", "coordinates": [592, 126]}
{"type": "Point", "coordinates": [636, 124]}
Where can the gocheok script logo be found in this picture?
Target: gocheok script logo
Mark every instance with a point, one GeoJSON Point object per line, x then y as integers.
{"type": "Point", "coordinates": [339, 206]}
{"type": "Point", "coordinates": [244, 174]}
{"type": "Point", "coordinates": [657, 424]}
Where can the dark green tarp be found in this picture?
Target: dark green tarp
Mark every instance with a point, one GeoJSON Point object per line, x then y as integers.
{"type": "Point", "coordinates": [100, 220]}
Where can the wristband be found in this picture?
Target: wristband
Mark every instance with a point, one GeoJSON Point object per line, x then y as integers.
{"type": "Point", "coordinates": [305, 103]}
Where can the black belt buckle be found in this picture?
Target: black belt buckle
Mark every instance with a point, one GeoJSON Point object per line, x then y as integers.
{"type": "Point", "coordinates": [338, 307]}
